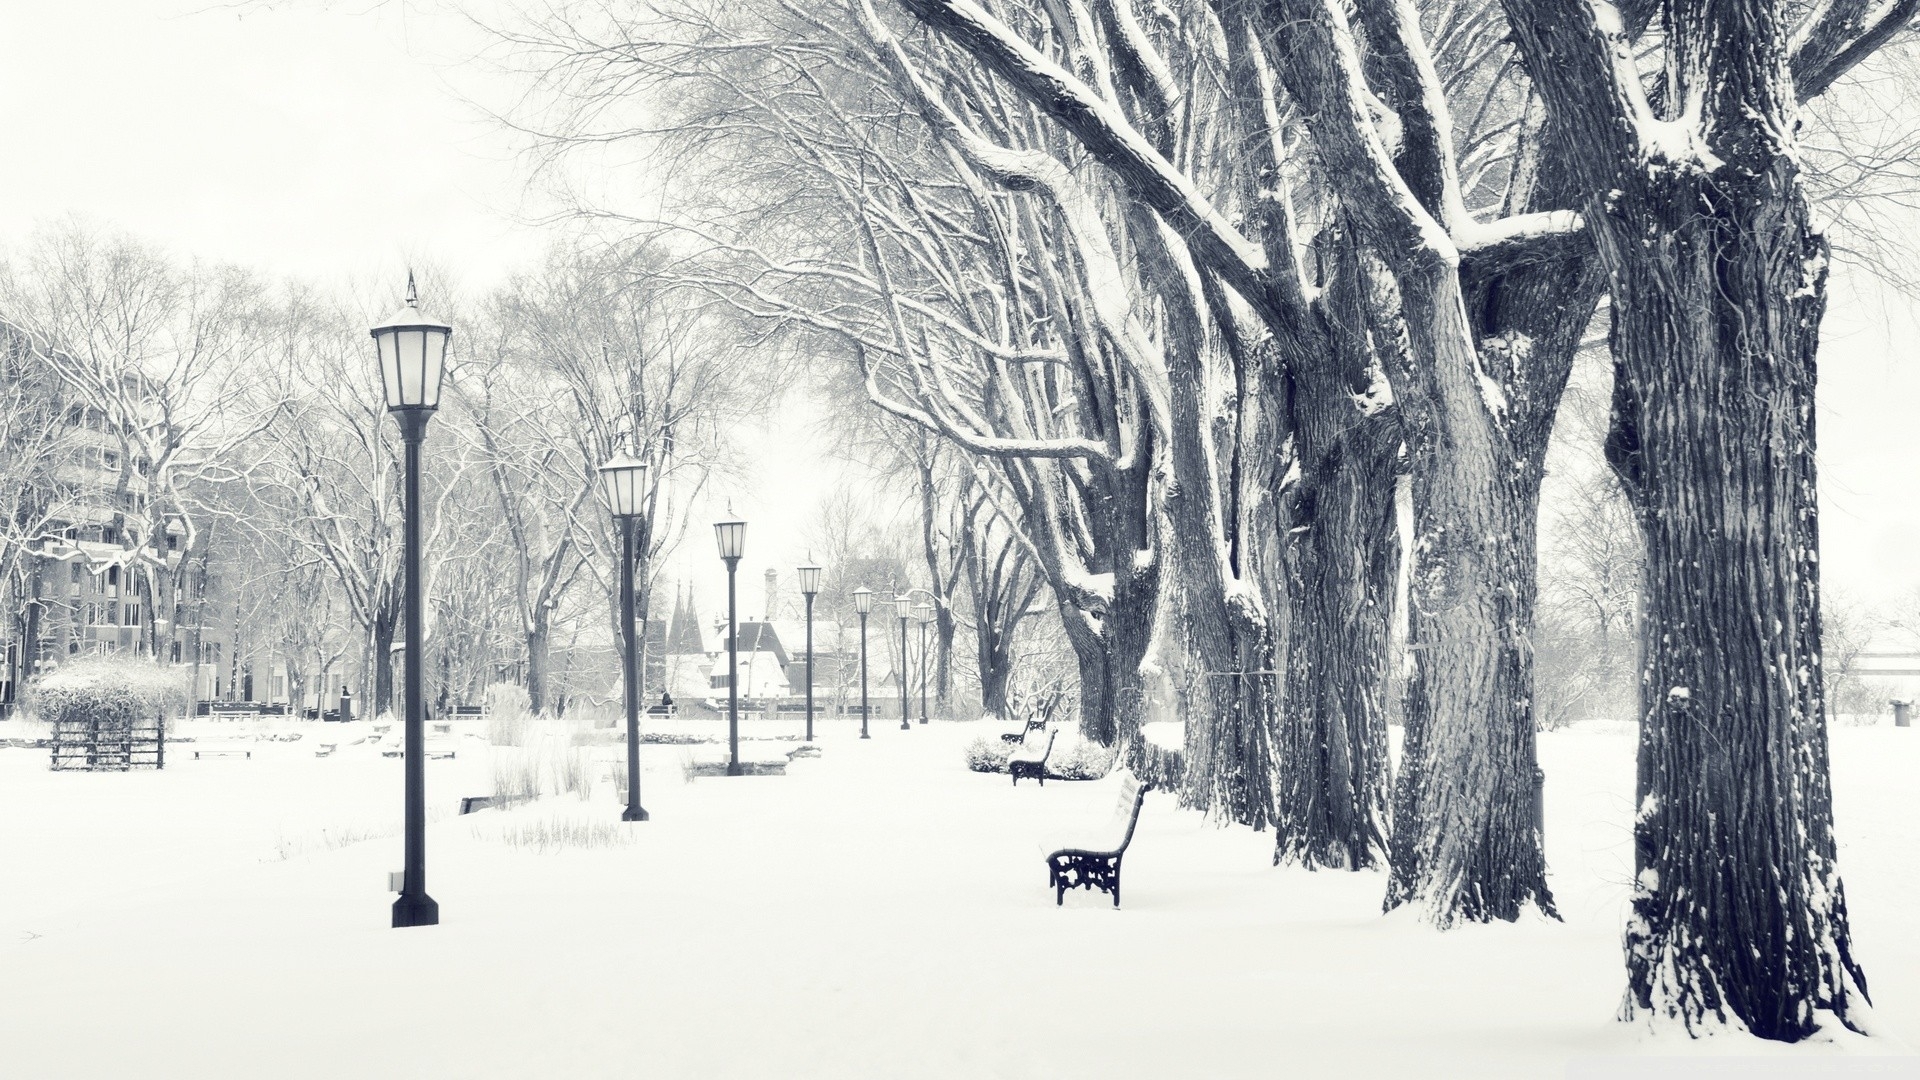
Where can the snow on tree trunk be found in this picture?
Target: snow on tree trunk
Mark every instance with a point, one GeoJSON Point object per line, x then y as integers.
{"type": "Point", "coordinates": [1342, 555]}
{"type": "Point", "coordinates": [1738, 912]}
{"type": "Point", "coordinates": [1718, 285]}
{"type": "Point", "coordinates": [1464, 843]}
{"type": "Point", "coordinates": [1227, 635]}
{"type": "Point", "coordinates": [1112, 689]}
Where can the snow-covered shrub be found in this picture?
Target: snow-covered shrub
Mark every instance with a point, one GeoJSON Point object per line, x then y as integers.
{"type": "Point", "coordinates": [1079, 759]}
{"type": "Point", "coordinates": [505, 697]}
{"type": "Point", "coordinates": [506, 707]}
{"type": "Point", "coordinates": [988, 754]}
{"type": "Point", "coordinates": [109, 691]}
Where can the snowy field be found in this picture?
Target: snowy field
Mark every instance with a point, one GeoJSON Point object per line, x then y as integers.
{"type": "Point", "coordinates": [877, 912]}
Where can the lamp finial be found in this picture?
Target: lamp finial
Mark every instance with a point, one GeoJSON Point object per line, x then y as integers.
{"type": "Point", "coordinates": [413, 295]}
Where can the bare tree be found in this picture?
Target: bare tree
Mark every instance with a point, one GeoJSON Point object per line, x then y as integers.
{"type": "Point", "coordinates": [169, 357]}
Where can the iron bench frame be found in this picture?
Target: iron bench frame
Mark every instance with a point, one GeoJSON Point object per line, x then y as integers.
{"type": "Point", "coordinates": [1085, 868]}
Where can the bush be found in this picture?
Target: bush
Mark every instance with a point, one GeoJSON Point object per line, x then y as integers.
{"type": "Point", "coordinates": [988, 754]}
{"type": "Point", "coordinates": [506, 706]}
{"type": "Point", "coordinates": [110, 691]}
{"type": "Point", "coordinates": [1080, 759]}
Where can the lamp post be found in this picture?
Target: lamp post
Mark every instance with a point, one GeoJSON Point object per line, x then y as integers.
{"type": "Point", "coordinates": [731, 537]}
{"type": "Point", "coordinates": [810, 587]}
{"type": "Point", "coordinates": [863, 603]}
{"type": "Point", "coordinates": [903, 609]}
{"type": "Point", "coordinates": [413, 357]}
{"type": "Point", "coordinates": [923, 612]}
{"type": "Point", "coordinates": [624, 479]}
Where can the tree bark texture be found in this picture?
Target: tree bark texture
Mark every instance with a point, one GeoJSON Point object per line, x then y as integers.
{"type": "Point", "coordinates": [539, 654]}
{"type": "Point", "coordinates": [1222, 623]}
{"type": "Point", "coordinates": [1738, 910]}
{"type": "Point", "coordinates": [1718, 284]}
{"type": "Point", "coordinates": [1464, 843]}
{"type": "Point", "coordinates": [1341, 550]}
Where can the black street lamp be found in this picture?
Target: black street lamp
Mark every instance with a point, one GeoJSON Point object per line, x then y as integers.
{"type": "Point", "coordinates": [863, 603]}
{"type": "Point", "coordinates": [903, 608]}
{"type": "Point", "coordinates": [810, 586]}
{"type": "Point", "coordinates": [413, 358]}
{"type": "Point", "coordinates": [923, 612]}
{"type": "Point", "coordinates": [731, 537]}
{"type": "Point", "coordinates": [624, 478]}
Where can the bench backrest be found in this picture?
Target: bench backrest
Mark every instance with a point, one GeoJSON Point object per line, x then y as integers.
{"type": "Point", "coordinates": [1133, 793]}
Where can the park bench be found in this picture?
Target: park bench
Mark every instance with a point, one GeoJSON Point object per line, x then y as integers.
{"type": "Point", "coordinates": [222, 751]}
{"type": "Point", "coordinates": [1034, 723]}
{"type": "Point", "coordinates": [1097, 865]}
{"type": "Point", "coordinates": [1031, 759]}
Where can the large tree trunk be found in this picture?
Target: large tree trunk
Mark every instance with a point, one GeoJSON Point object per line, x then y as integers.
{"type": "Point", "coordinates": [1342, 556]}
{"type": "Point", "coordinates": [1112, 690]}
{"type": "Point", "coordinates": [1338, 554]}
{"type": "Point", "coordinates": [1738, 911]}
{"type": "Point", "coordinates": [1464, 844]}
{"type": "Point", "coordinates": [538, 659]}
{"type": "Point", "coordinates": [380, 644]}
{"type": "Point", "coordinates": [1222, 623]}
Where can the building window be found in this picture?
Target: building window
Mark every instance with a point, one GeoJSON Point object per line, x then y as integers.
{"type": "Point", "coordinates": [110, 460]}
{"type": "Point", "coordinates": [176, 652]}
{"type": "Point", "coordinates": [74, 567]}
{"type": "Point", "coordinates": [109, 534]}
{"type": "Point", "coordinates": [718, 682]}
{"type": "Point", "coordinates": [133, 613]}
{"type": "Point", "coordinates": [173, 541]}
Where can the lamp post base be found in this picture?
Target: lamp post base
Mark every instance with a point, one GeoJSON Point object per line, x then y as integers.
{"type": "Point", "coordinates": [634, 813]}
{"type": "Point", "coordinates": [733, 768]}
{"type": "Point", "coordinates": [418, 910]}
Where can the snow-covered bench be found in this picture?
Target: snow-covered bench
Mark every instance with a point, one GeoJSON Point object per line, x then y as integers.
{"type": "Point", "coordinates": [1031, 759]}
{"type": "Point", "coordinates": [1097, 864]}
{"type": "Point", "coordinates": [1037, 723]}
{"type": "Point", "coordinates": [222, 751]}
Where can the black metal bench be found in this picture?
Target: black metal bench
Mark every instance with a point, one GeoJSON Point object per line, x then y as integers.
{"type": "Point", "coordinates": [1038, 723]}
{"type": "Point", "coordinates": [1030, 760]}
{"type": "Point", "coordinates": [1097, 866]}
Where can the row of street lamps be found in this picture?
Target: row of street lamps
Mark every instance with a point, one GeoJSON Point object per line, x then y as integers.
{"type": "Point", "coordinates": [413, 355]}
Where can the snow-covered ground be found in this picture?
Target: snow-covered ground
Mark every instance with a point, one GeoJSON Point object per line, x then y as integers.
{"type": "Point", "coordinates": [879, 911]}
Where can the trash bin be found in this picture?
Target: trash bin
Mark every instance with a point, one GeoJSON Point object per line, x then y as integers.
{"type": "Point", "coordinates": [1902, 713]}
{"type": "Point", "coordinates": [346, 704]}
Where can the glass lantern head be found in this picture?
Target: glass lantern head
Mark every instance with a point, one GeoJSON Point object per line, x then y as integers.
{"type": "Point", "coordinates": [623, 480]}
{"type": "Point", "coordinates": [413, 356]}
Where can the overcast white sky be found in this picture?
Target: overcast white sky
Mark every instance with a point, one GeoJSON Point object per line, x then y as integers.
{"type": "Point", "coordinates": [329, 140]}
